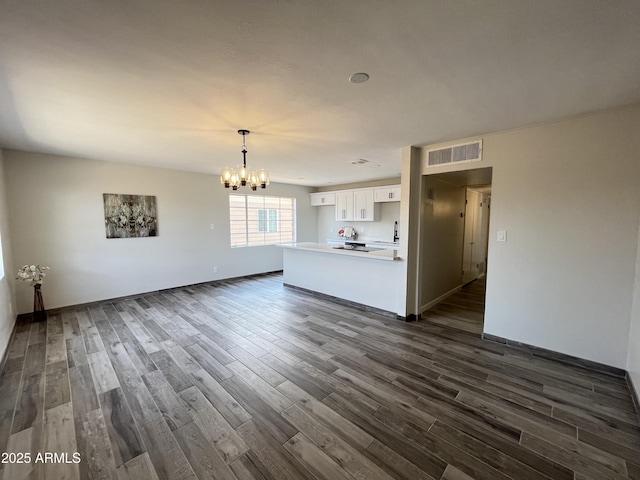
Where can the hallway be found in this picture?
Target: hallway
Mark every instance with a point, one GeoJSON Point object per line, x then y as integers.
{"type": "Point", "coordinates": [464, 310]}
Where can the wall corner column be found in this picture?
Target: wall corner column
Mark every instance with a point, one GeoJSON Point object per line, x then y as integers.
{"type": "Point", "coordinates": [8, 314]}
{"type": "Point", "coordinates": [409, 227]}
{"type": "Point", "coordinates": [633, 355]}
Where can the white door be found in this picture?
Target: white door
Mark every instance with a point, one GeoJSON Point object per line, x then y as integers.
{"type": "Point", "coordinates": [481, 243]}
{"type": "Point", "coordinates": [473, 243]}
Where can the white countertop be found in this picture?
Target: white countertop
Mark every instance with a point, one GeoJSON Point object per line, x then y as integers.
{"type": "Point", "coordinates": [366, 242]}
{"type": "Point", "coordinates": [324, 248]}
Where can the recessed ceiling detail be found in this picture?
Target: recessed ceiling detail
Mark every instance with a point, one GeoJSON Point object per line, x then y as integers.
{"type": "Point", "coordinates": [359, 77]}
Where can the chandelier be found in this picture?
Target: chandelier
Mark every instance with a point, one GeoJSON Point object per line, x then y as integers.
{"type": "Point", "coordinates": [242, 176]}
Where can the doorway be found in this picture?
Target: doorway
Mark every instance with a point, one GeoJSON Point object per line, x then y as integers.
{"type": "Point", "coordinates": [476, 233]}
{"type": "Point", "coordinates": [454, 230]}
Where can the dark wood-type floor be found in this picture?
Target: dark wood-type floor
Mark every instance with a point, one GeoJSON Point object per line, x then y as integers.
{"type": "Point", "coordinates": [464, 310]}
{"type": "Point", "coordinates": [249, 379]}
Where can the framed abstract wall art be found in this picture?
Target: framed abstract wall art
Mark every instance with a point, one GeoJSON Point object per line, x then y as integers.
{"type": "Point", "coordinates": [130, 216]}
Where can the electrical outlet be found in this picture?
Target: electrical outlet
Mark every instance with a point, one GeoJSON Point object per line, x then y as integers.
{"type": "Point", "coordinates": [215, 269]}
{"type": "Point", "coordinates": [213, 226]}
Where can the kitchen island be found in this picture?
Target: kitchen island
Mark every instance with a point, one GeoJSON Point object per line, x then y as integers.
{"type": "Point", "coordinates": [370, 278]}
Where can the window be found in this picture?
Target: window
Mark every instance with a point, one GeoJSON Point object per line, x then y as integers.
{"type": "Point", "coordinates": [268, 220]}
{"type": "Point", "coordinates": [257, 220]}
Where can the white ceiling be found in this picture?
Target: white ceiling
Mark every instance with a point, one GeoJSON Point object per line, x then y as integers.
{"type": "Point", "coordinates": [168, 83]}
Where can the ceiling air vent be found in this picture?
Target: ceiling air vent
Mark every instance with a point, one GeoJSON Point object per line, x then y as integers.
{"type": "Point", "coordinates": [468, 152]}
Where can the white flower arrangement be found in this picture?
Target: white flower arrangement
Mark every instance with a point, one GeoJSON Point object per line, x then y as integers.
{"type": "Point", "coordinates": [34, 274]}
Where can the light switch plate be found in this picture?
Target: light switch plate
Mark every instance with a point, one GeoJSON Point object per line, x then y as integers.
{"type": "Point", "coordinates": [502, 235]}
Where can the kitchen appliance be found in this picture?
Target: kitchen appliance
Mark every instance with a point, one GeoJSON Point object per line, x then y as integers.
{"type": "Point", "coordinates": [348, 233]}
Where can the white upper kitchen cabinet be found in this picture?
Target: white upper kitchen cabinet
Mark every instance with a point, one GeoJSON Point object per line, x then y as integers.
{"type": "Point", "coordinates": [356, 205]}
{"type": "Point", "coordinates": [363, 206]}
{"type": "Point", "coordinates": [344, 206]}
{"type": "Point", "coordinates": [386, 194]}
{"type": "Point", "coordinates": [322, 198]}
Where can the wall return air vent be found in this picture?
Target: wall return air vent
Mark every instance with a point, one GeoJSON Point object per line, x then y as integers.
{"type": "Point", "coordinates": [467, 152]}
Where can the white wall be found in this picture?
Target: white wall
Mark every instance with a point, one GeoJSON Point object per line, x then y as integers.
{"type": "Point", "coordinates": [567, 194]}
{"type": "Point", "coordinates": [57, 219]}
{"type": "Point", "coordinates": [441, 237]}
{"type": "Point", "coordinates": [7, 297]}
{"type": "Point", "coordinates": [633, 361]}
{"type": "Point", "coordinates": [363, 280]}
{"type": "Point", "coordinates": [369, 183]}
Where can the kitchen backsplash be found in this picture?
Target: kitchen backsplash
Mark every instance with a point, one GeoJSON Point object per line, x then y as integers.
{"type": "Point", "coordinates": [381, 230]}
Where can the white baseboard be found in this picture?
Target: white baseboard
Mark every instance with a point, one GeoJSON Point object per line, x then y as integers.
{"type": "Point", "coordinates": [435, 301]}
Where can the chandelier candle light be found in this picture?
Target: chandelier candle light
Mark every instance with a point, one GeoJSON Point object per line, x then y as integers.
{"type": "Point", "coordinates": [242, 176]}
